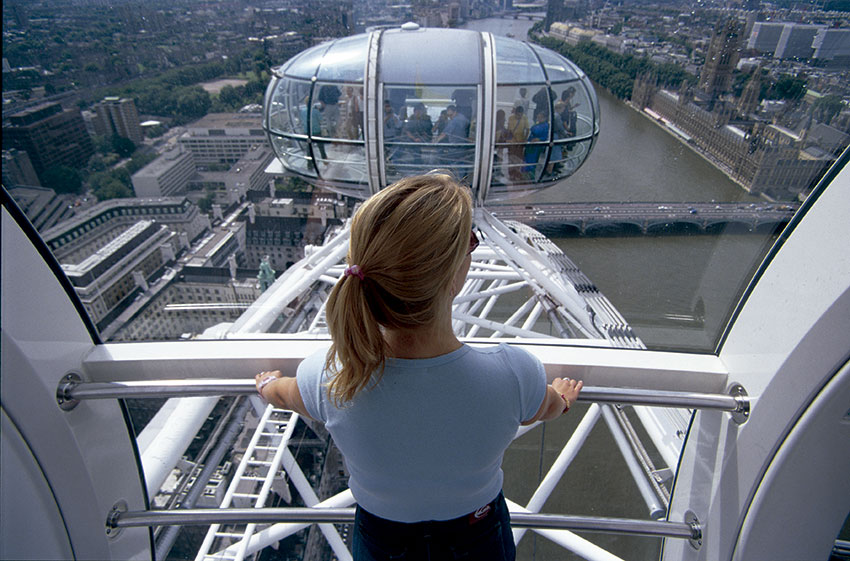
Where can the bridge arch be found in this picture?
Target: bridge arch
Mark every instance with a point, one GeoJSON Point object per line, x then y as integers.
{"type": "Point", "coordinates": [676, 227]}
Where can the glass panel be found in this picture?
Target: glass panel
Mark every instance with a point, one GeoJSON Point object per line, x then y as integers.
{"type": "Point", "coordinates": [280, 102]}
{"type": "Point", "coordinates": [327, 101]}
{"type": "Point", "coordinates": [305, 64]}
{"type": "Point", "coordinates": [573, 110]}
{"type": "Point", "coordinates": [400, 61]}
{"type": "Point", "coordinates": [297, 97]}
{"type": "Point", "coordinates": [566, 157]}
{"type": "Point", "coordinates": [345, 60]}
{"type": "Point", "coordinates": [341, 161]}
{"type": "Point", "coordinates": [351, 106]}
{"type": "Point", "coordinates": [557, 69]}
{"type": "Point", "coordinates": [516, 63]}
{"type": "Point", "coordinates": [429, 127]}
{"type": "Point", "coordinates": [294, 154]}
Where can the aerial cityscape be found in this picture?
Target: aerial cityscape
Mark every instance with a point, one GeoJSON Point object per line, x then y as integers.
{"type": "Point", "coordinates": [137, 141]}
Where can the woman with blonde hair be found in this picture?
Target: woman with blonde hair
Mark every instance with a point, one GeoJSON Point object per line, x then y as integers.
{"type": "Point", "coordinates": [421, 419]}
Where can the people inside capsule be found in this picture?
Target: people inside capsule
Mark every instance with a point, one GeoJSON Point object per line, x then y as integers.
{"type": "Point", "coordinates": [329, 106]}
{"type": "Point", "coordinates": [422, 419]}
{"type": "Point", "coordinates": [539, 132]}
{"type": "Point", "coordinates": [517, 135]}
{"type": "Point", "coordinates": [501, 136]}
{"type": "Point", "coordinates": [568, 112]}
{"type": "Point", "coordinates": [417, 129]}
{"type": "Point", "coordinates": [353, 103]}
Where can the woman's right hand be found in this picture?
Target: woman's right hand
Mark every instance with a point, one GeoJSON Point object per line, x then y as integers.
{"type": "Point", "coordinates": [568, 388]}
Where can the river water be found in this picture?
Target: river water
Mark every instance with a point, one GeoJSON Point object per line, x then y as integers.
{"type": "Point", "coordinates": [661, 284]}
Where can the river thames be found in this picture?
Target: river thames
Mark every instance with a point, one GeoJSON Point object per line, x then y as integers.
{"type": "Point", "coordinates": [676, 290]}
{"type": "Point", "coordinates": [663, 284]}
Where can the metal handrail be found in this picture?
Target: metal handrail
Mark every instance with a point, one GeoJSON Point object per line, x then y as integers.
{"type": "Point", "coordinates": [72, 390]}
{"type": "Point", "coordinates": [205, 516]}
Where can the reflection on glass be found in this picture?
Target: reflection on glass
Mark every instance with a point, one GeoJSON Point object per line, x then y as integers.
{"type": "Point", "coordinates": [343, 62]}
{"type": "Point", "coordinates": [557, 69]}
{"type": "Point", "coordinates": [516, 63]}
{"type": "Point", "coordinates": [429, 127]}
{"type": "Point", "coordinates": [305, 65]}
{"type": "Point", "coordinates": [453, 57]}
{"type": "Point", "coordinates": [295, 154]}
{"type": "Point", "coordinates": [341, 161]}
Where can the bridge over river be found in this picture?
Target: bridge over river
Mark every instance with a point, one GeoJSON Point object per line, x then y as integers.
{"type": "Point", "coordinates": [647, 218]}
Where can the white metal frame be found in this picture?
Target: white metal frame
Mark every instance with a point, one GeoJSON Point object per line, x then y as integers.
{"type": "Point", "coordinates": [788, 347]}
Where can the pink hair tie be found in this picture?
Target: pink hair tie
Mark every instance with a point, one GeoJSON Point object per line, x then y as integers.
{"type": "Point", "coordinates": [355, 271]}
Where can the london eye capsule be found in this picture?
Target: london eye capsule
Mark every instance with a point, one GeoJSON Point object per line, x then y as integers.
{"type": "Point", "coordinates": [355, 114]}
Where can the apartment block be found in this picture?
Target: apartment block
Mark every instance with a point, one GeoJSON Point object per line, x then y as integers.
{"type": "Point", "coordinates": [166, 176]}
{"type": "Point", "coordinates": [50, 136]}
{"type": "Point", "coordinates": [223, 138]}
{"type": "Point", "coordinates": [105, 279]}
{"type": "Point", "coordinates": [231, 186]}
{"type": "Point", "coordinates": [90, 230]}
{"type": "Point", "coordinates": [118, 116]}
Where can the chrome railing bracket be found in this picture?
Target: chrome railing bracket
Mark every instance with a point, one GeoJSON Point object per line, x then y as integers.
{"type": "Point", "coordinates": [112, 528]}
{"type": "Point", "coordinates": [742, 413]}
{"type": "Point", "coordinates": [63, 391]}
{"type": "Point", "coordinates": [696, 529]}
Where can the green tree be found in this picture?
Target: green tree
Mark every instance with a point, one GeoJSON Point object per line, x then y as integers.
{"type": "Point", "coordinates": [193, 103]}
{"type": "Point", "coordinates": [102, 145]}
{"type": "Point", "coordinates": [206, 203]}
{"type": "Point", "coordinates": [124, 147]}
{"type": "Point", "coordinates": [97, 162]}
{"type": "Point", "coordinates": [827, 107]}
{"type": "Point", "coordinates": [229, 96]}
{"type": "Point", "coordinates": [789, 88]}
{"type": "Point", "coordinates": [62, 179]}
{"type": "Point", "coordinates": [112, 189]}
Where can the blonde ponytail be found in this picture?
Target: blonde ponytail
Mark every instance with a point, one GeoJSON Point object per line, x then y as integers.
{"type": "Point", "coordinates": [407, 242]}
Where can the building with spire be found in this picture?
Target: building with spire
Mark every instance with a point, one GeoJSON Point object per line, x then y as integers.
{"type": "Point", "coordinates": [721, 58]}
{"type": "Point", "coordinates": [749, 100]}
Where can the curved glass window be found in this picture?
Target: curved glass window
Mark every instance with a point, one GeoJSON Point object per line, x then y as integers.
{"type": "Point", "coordinates": [343, 62]}
{"type": "Point", "coordinates": [429, 127]}
{"type": "Point", "coordinates": [557, 67]}
{"type": "Point", "coordinates": [442, 86]}
{"type": "Point", "coordinates": [305, 64]}
{"type": "Point", "coordinates": [453, 57]}
{"type": "Point", "coordinates": [516, 63]}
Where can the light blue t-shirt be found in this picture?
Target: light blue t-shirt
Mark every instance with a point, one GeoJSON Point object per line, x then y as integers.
{"type": "Point", "coordinates": [426, 442]}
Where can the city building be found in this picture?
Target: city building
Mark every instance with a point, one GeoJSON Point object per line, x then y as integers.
{"type": "Point", "coordinates": [43, 207]}
{"type": "Point", "coordinates": [218, 246]}
{"type": "Point", "coordinates": [18, 170]}
{"type": "Point", "coordinates": [764, 37]}
{"type": "Point", "coordinates": [802, 41]}
{"type": "Point", "coordinates": [833, 45]}
{"type": "Point", "coordinates": [223, 138]}
{"type": "Point", "coordinates": [722, 57]}
{"type": "Point", "coordinates": [167, 175]}
{"type": "Point", "coordinates": [105, 279]}
{"type": "Point", "coordinates": [118, 116]}
{"type": "Point", "coordinates": [763, 158]}
{"type": "Point", "coordinates": [88, 231]}
{"type": "Point", "coordinates": [282, 239]}
{"type": "Point", "coordinates": [50, 136]}
{"type": "Point", "coordinates": [797, 41]}
{"type": "Point", "coordinates": [231, 186]}
{"type": "Point", "coordinates": [193, 301]}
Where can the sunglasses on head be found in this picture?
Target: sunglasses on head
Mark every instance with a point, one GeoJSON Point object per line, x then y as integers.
{"type": "Point", "coordinates": [473, 242]}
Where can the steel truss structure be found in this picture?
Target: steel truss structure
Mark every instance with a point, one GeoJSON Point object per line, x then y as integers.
{"type": "Point", "coordinates": [520, 286]}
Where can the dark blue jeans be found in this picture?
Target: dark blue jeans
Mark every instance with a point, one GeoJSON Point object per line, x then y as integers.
{"type": "Point", "coordinates": [479, 536]}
